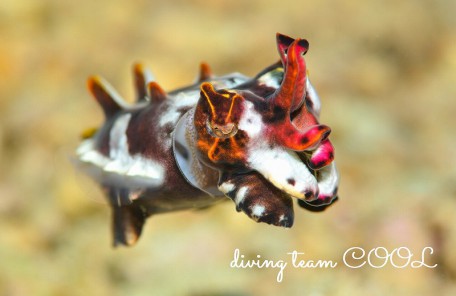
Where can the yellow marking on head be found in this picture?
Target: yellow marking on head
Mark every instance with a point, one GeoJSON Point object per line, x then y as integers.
{"type": "Point", "coordinates": [203, 145]}
{"type": "Point", "coordinates": [231, 108]}
{"type": "Point", "coordinates": [235, 148]}
{"type": "Point", "coordinates": [204, 92]}
{"type": "Point", "coordinates": [88, 133]}
{"type": "Point", "coordinates": [210, 153]}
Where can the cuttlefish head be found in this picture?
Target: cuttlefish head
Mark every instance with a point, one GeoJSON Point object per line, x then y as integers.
{"type": "Point", "coordinates": [272, 131]}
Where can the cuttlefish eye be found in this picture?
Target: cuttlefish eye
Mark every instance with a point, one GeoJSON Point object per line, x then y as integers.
{"type": "Point", "coordinates": [221, 131]}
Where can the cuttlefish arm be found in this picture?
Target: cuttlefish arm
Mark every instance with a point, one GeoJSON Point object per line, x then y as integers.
{"type": "Point", "coordinates": [257, 198]}
{"type": "Point", "coordinates": [328, 184]}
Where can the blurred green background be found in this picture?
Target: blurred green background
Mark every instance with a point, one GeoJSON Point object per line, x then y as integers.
{"type": "Point", "coordinates": [385, 71]}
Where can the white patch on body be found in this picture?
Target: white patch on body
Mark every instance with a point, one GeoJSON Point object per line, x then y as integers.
{"type": "Point", "coordinates": [279, 165]}
{"type": "Point", "coordinates": [87, 154]}
{"type": "Point", "coordinates": [167, 142]}
{"type": "Point", "coordinates": [141, 168]}
{"type": "Point", "coordinates": [120, 168]}
{"type": "Point", "coordinates": [118, 146]}
{"type": "Point", "coordinates": [148, 76]}
{"type": "Point", "coordinates": [328, 179]}
{"type": "Point", "coordinates": [251, 121]}
{"type": "Point", "coordinates": [226, 187]}
{"type": "Point", "coordinates": [170, 116]}
{"type": "Point", "coordinates": [269, 80]}
{"type": "Point", "coordinates": [185, 99]}
{"type": "Point", "coordinates": [175, 102]}
{"type": "Point", "coordinates": [240, 195]}
{"type": "Point", "coordinates": [258, 210]}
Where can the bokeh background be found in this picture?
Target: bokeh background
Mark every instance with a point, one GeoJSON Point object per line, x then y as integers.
{"type": "Point", "coordinates": [385, 71]}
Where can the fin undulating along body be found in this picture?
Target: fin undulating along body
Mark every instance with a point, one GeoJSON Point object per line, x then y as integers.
{"type": "Point", "coordinates": [257, 141]}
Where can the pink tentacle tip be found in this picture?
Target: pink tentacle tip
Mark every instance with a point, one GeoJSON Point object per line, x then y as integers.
{"type": "Point", "coordinates": [322, 156]}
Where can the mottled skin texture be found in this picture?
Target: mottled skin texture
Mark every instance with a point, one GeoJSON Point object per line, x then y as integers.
{"type": "Point", "coordinates": [256, 141]}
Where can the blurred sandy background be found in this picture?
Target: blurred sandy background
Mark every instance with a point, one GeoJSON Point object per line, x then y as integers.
{"type": "Point", "coordinates": [385, 71]}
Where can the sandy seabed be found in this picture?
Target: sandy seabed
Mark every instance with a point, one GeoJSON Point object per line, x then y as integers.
{"type": "Point", "coordinates": [385, 71]}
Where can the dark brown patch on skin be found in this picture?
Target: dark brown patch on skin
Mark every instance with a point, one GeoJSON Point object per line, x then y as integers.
{"type": "Point", "coordinates": [304, 139]}
{"type": "Point", "coordinates": [279, 114]}
{"type": "Point", "coordinates": [141, 131]}
{"type": "Point", "coordinates": [270, 115]}
{"type": "Point", "coordinates": [291, 181]}
{"type": "Point", "coordinates": [256, 88]}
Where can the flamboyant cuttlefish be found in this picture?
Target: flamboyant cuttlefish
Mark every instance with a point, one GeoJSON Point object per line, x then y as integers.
{"type": "Point", "coordinates": [255, 140]}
